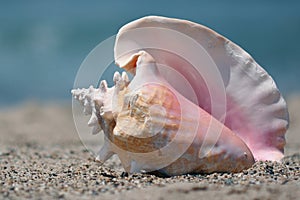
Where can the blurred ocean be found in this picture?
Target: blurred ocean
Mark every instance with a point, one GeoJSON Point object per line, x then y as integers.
{"type": "Point", "coordinates": [43, 43]}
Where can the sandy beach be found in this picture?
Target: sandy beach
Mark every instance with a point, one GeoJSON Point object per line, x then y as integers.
{"type": "Point", "coordinates": [42, 157]}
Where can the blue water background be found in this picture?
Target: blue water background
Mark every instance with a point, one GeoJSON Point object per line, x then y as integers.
{"type": "Point", "coordinates": [43, 43]}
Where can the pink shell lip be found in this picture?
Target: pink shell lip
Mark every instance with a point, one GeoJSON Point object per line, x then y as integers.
{"type": "Point", "coordinates": [255, 109]}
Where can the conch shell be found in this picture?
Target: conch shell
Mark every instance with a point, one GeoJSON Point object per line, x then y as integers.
{"type": "Point", "coordinates": [154, 125]}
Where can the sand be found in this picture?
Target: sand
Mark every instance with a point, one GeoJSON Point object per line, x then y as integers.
{"type": "Point", "coordinates": [42, 157]}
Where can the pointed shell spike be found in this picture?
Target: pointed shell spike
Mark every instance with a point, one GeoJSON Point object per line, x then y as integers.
{"type": "Point", "coordinates": [125, 78]}
{"type": "Point", "coordinates": [117, 77]}
{"type": "Point", "coordinates": [93, 120]}
{"type": "Point", "coordinates": [105, 152]}
{"type": "Point", "coordinates": [103, 86]}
